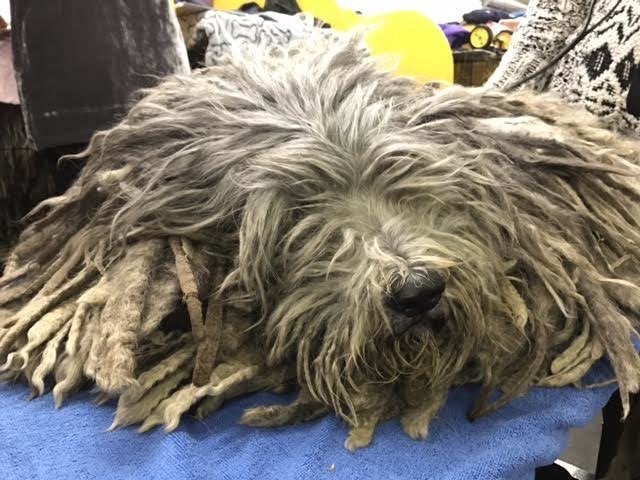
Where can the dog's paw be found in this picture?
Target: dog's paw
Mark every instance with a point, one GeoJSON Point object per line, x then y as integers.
{"type": "Point", "coordinates": [415, 425]}
{"type": "Point", "coordinates": [358, 438]}
{"type": "Point", "coordinates": [264, 416]}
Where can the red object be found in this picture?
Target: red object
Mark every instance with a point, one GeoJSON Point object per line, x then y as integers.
{"type": "Point", "coordinates": [511, 23]}
{"type": "Point", "coordinates": [8, 87]}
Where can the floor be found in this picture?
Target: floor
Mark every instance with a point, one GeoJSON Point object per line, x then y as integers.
{"type": "Point", "coordinates": [581, 454]}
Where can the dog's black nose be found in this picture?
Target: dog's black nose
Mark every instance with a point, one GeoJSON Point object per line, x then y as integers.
{"type": "Point", "coordinates": [416, 302]}
{"type": "Point", "coordinates": [419, 294]}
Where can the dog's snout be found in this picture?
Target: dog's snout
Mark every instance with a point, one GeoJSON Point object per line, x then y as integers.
{"type": "Point", "coordinates": [417, 301]}
{"type": "Point", "coordinates": [419, 294]}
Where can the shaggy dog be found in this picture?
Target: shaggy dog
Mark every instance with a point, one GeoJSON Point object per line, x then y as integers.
{"type": "Point", "coordinates": [325, 226]}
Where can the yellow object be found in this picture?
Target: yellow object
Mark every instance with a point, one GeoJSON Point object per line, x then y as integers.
{"type": "Point", "coordinates": [417, 44]}
{"type": "Point", "coordinates": [234, 4]}
{"type": "Point", "coordinates": [330, 12]}
{"type": "Point", "coordinates": [481, 37]}
{"type": "Point", "coordinates": [503, 39]}
{"type": "Point", "coordinates": [421, 47]}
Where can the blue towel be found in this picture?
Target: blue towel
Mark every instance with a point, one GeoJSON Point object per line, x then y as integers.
{"type": "Point", "coordinates": [37, 442]}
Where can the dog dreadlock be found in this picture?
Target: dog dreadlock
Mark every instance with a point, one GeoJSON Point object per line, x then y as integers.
{"type": "Point", "coordinates": [281, 203]}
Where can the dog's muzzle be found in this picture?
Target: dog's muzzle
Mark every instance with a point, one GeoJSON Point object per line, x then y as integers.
{"type": "Point", "coordinates": [417, 302]}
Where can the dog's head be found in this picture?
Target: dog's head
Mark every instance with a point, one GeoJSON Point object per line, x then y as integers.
{"type": "Point", "coordinates": [378, 253]}
{"type": "Point", "coordinates": [374, 234]}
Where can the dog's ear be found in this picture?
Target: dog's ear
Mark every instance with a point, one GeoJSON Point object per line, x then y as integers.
{"type": "Point", "coordinates": [527, 127]}
{"type": "Point", "coordinates": [458, 102]}
{"type": "Point", "coordinates": [266, 215]}
{"type": "Point", "coordinates": [547, 121]}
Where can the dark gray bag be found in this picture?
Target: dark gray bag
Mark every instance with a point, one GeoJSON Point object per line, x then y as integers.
{"type": "Point", "coordinates": [79, 61]}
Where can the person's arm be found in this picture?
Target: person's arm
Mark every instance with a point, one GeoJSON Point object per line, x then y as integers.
{"type": "Point", "coordinates": [542, 34]}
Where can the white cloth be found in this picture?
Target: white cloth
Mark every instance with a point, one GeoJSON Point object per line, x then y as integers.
{"type": "Point", "coordinates": [232, 29]}
{"type": "Point", "coordinates": [436, 10]}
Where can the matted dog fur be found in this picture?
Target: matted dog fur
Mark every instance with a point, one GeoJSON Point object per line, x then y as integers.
{"type": "Point", "coordinates": [250, 227]}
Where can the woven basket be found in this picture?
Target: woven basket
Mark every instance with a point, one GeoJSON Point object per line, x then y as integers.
{"type": "Point", "coordinates": [474, 67]}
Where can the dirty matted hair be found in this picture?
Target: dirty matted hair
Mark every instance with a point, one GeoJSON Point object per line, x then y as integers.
{"type": "Point", "coordinates": [276, 203]}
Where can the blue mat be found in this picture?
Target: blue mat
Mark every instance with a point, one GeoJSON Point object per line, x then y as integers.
{"type": "Point", "coordinates": [38, 442]}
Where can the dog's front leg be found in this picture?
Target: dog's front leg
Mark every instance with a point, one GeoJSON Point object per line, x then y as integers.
{"type": "Point", "coordinates": [375, 405]}
{"type": "Point", "coordinates": [302, 409]}
{"type": "Point", "coordinates": [421, 408]}
{"type": "Point", "coordinates": [361, 434]}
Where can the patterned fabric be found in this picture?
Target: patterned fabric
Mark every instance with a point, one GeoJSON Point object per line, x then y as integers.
{"type": "Point", "coordinates": [602, 72]}
{"type": "Point", "coordinates": [224, 30]}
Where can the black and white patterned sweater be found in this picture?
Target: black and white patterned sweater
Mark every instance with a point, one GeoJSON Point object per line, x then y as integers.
{"type": "Point", "coordinates": [602, 72]}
